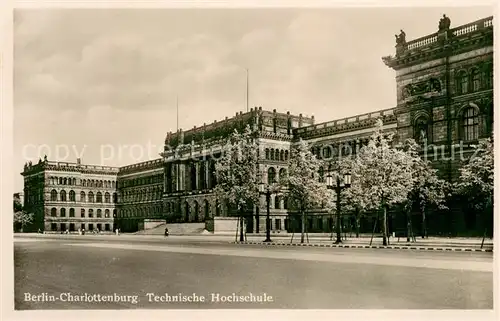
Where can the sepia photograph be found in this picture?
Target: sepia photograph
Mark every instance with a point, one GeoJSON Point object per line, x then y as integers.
{"type": "Point", "coordinates": [253, 158]}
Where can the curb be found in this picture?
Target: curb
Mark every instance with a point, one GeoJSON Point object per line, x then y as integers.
{"type": "Point", "coordinates": [395, 247]}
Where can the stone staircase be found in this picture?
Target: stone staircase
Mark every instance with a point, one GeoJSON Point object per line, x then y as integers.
{"type": "Point", "coordinates": [176, 229]}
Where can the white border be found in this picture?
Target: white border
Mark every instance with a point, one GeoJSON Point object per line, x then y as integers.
{"type": "Point", "coordinates": [7, 172]}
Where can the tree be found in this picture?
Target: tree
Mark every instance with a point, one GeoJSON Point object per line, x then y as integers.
{"type": "Point", "coordinates": [304, 189]}
{"type": "Point", "coordinates": [476, 182]}
{"type": "Point", "coordinates": [427, 190]}
{"type": "Point", "coordinates": [23, 218]}
{"type": "Point", "coordinates": [382, 173]}
{"type": "Point", "coordinates": [238, 175]}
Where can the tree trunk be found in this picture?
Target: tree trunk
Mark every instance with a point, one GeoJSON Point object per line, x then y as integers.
{"type": "Point", "coordinates": [303, 227]}
{"type": "Point", "coordinates": [424, 224]}
{"type": "Point", "coordinates": [408, 226]}
{"type": "Point", "coordinates": [242, 239]}
{"type": "Point", "coordinates": [384, 225]}
{"type": "Point", "coordinates": [357, 224]}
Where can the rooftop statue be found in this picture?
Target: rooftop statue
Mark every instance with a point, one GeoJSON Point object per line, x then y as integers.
{"type": "Point", "coordinates": [401, 38]}
{"type": "Point", "coordinates": [444, 23]}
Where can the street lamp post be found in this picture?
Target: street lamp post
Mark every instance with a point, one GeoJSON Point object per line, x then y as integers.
{"type": "Point", "coordinates": [341, 184]}
{"type": "Point", "coordinates": [267, 192]}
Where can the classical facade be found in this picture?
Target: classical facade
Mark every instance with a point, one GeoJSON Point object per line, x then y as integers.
{"type": "Point", "coordinates": [190, 158]}
{"type": "Point", "coordinates": [140, 190]}
{"type": "Point", "coordinates": [444, 100]}
{"type": "Point", "coordinates": [70, 196]}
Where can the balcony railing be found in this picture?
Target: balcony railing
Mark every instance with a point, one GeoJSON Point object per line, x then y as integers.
{"type": "Point", "coordinates": [457, 32]}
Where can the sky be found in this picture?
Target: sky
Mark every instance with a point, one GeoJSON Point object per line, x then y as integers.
{"type": "Point", "coordinates": [101, 84]}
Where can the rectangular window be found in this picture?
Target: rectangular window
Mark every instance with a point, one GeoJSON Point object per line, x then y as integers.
{"type": "Point", "coordinates": [278, 224]}
{"type": "Point", "coordinates": [53, 226]}
{"type": "Point", "coordinates": [91, 227]}
{"type": "Point", "coordinates": [99, 227]}
{"type": "Point", "coordinates": [82, 226]}
{"type": "Point", "coordinates": [106, 227]}
{"type": "Point", "coordinates": [71, 227]}
{"type": "Point", "coordinates": [63, 226]}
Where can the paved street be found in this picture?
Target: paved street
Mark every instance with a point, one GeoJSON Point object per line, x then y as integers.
{"type": "Point", "coordinates": [70, 272]}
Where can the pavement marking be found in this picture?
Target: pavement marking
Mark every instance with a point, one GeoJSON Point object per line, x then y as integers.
{"type": "Point", "coordinates": [397, 247]}
{"type": "Point", "coordinates": [292, 255]}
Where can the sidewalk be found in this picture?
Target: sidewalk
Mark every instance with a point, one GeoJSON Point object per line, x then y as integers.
{"type": "Point", "coordinates": [431, 243]}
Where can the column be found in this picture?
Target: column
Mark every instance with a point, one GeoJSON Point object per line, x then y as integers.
{"type": "Point", "coordinates": [197, 175]}
{"type": "Point", "coordinates": [207, 174]}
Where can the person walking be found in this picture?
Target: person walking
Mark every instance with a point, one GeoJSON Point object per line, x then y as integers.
{"type": "Point", "coordinates": [166, 231]}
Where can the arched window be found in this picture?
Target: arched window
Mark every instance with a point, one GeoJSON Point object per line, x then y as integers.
{"type": "Point", "coordinates": [462, 83]}
{"type": "Point", "coordinates": [60, 181]}
{"type": "Point", "coordinates": [65, 181]}
{"type": "Point", "coordinates": [72, 196]}
{"type": "Point", "coordinates": [470, 124]}
{"type": "Point", "coordinates": [91, 213]}
{"type": "Point", "coordinates": [53, 212]}
{"type": "Point", "coordinates": [63, 212]}
{"type": "Point", "coordinates": [271, 175]}
{"type": "Point", "coordinates": [106, 213]}
{"type": "Point", "coordinates": [74, 181]}
{"type": "Point", "coordinates": [53, 195]}
{"type": "Point", "coordinates": [84, 182]}
{"type": "Point", "coordinates": [285, 202]}
{"type": "Point", "coordinates": [99, 197]}
{"type": "Point", "coordinates": [107, 198]}
{"type": "Point", "coordinates": [286, 155]}
{"type": "Point", "coordinates": [99, 213]}
{"type": "Point", "coordinates": [115, 198]}
{"type": "Point", "coordinates": [421, 130]}
{"type": "Point", "coordinates": [282, 155]}
{"type": "Point", "coordinates": [91, 197]}
{"type": "Point", "coordinates": [82, 212]}
{"type": "Point", "coordinates": [272, 153]}
{"type": "Point", "coordinates": [71, 212]}
{"type": "Point", "coordinates": [267, 153]}
{"type": "Point", "coordinates": [476, 80]}
{"type": "Point", "coordinates": [63, 196]}
{"type": "Point", "coordinates": [82, 197]}
{"type": "Point", "coordinates": [114, 212]}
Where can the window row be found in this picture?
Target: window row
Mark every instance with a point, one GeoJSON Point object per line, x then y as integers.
{"type": "Point", "coordinates": [155, 179]}
{"type": "Point", "coordinates": [61, 196]}
{"type": "Point", "coordinates": [71, 227]}
{"type": "Point", "coordinates": [83, 182]}
{"type": "Point", "coordinates": [474, 81]}
{"type": "Point", "coordinates": [468, 122]}
{"type": "Point", "coordinates": [272, 178]}
{"type": "Point", "coordinates": [98, 183]}
{"type": "Point", "coordinates": [98, 214]}
{"type": "Point", "coordinates": [142, 195]}
{"type": "Point", "coordinates": [329, 151]}
{"type": "Point", "coordinates": [276, 154]}
{"type": "Point", "coordinates": [142, 212]}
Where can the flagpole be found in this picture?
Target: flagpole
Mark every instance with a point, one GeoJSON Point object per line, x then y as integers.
{"type": "Point", "coordinates": [247, 89]}
{"type": "Point", "coordinates": [177, 106]}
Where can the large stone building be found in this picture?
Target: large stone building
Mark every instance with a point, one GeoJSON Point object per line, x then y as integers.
{"type": "Point", "coordinates": [70, 196]}
{"type": "Point", "coordinates": [444, 100]}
